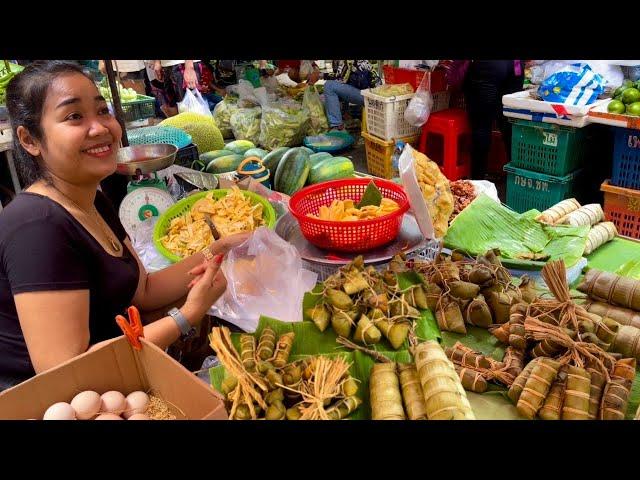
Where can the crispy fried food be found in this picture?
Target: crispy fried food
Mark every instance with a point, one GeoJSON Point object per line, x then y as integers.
{"type": "Point", "coordinates": [345, 211]}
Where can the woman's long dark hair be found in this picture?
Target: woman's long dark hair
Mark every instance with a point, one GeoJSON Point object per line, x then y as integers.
{"type": "Point", "coordinates": [26, 94]}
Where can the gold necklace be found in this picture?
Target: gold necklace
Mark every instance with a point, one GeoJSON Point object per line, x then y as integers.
{"type": "Point", "coordinates": [114, 244]}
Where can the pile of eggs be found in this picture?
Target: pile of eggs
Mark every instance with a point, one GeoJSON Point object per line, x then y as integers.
{"type": "Point", "coordinates": [110, 405]}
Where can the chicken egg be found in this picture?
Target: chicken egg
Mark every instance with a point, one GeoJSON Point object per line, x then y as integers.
{"type": "Point", "coordinates": [136, 403]}
{"type": "Point", "coordinates": [138, 416]}
{"type": "Point", "coordinates": [108, 416]}
{"type": "Point", "coordinates": [113, 402]}
{"type": "Point", "coordinates": [86, 404]}
{"type": "Point", "coordinates": [60, 411]}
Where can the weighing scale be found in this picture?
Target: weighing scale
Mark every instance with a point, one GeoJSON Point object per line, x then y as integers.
{"type": "Point", "coordinates": [147, 195]}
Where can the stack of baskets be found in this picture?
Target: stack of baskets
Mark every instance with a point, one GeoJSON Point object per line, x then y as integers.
{"type": "Point", "coordinates": [385, 123]}
{"type": "Point", "coordinates": [546, 163]}
{"type": "Point", "coordinates": [622, 192]}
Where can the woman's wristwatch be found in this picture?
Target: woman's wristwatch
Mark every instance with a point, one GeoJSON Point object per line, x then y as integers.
{"type": "Point", "coordinates": [183, 324]}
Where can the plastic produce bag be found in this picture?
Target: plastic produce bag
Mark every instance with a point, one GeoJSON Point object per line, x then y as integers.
{"type": "Point", "coordinates": [245, 124]}
{"type": "Point", "coordinates": [318, 122]}
{"type": "Point", "coordinates": [193, 102]}
{"type": "Point", "coordinates": [283, 124]}
{"type": "Point", "coordinates": [222, 115]}
{"type": "Point", "coordinates": [264, 277]}
{"type": "Point", "coordinates": [575, 84]}
{"type": "Point", "coordinates": [419, 108]}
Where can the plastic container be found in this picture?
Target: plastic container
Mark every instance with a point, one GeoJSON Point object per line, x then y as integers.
{"type": "Point", "coordinates": [547, 148]}
{"type": "Point", "coordinates": [355, 236]}
{"type": "Point", "coordinates": [184, 205]}
{"type": "Point", "coordinates": [413, 76]}
{"type": "Point", "coordinates": [187, 155]}
{"type": "Point", "coordinates": [159, 134]}
{"type": "Point", "coordinates": [626, 159]}
{"type": "Point", "coordinates": [385, 116]}
{"type": "Point", "coordinates": [380, 153]}
{"type": "Point", "coordinates": [622, 207]}
{"type": "Point", "coordinates": [139, 109]}
{"type": "Point", "coordinates": [527, 190]}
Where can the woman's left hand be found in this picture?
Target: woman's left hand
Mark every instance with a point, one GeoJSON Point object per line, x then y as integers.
{"type": "Point", "coordinates": [190, 77]}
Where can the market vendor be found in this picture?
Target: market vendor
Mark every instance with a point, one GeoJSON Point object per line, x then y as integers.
{"type": "Point", "coordinates": [67, 267]}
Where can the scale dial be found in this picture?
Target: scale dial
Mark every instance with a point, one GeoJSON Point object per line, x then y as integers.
{"type": "Point", "coordinates": [141, 204]}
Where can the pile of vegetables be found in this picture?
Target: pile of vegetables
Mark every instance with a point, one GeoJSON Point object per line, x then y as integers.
{"type": "Point", "coordinates": [222, 114]}
{"type": "Point", "coordinates": [393, 90]}
{"type": "Point", "coordinates": [245, 124]}
{"type": "Point", "coordinates": [318, 122]}
{"type": "Point", "coordinates": [283, 124]}
{"type": "Point", "coordinates": [126, 94]}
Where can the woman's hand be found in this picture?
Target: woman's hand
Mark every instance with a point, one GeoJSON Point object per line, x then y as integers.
{"type": "Point", "coordinates": [190, 77]}
{"type": "Point", "coordinates": [225, 244]}
{"type": "Point", "coordinates": [205, 290]}
{"type": "Point", "coordinates": [157, 69]}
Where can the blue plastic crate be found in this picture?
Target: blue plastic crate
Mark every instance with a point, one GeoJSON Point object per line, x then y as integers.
{"type": "Point", "coordinates": [626, 159]}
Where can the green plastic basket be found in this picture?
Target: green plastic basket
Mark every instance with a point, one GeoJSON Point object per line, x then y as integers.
{"type": "Point", "coordinates": [527, 190]}
{"type": "Point", "coordinates": [184, 205]}
{"type": "Point", "coordinates": [547, 148]}
{"type": "Point", "coordinates": [139, 109]}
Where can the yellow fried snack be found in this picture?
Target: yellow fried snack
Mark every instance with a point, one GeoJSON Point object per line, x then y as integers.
{"type": "Point", "coordinates": [435, 191]}
{"type": "Point", "coordinates": [231, 214]}
{"type": "Point", "coordinates": [345, 211]}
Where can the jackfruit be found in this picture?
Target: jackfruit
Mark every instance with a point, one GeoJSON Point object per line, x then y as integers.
{"type": "Point", "coordinates": [203, 130]}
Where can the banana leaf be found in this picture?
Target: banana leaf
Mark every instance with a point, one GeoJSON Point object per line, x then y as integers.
{"type": "Point", "coordinates": [630, 269]}
{"type": "Point", "coordinates": [486, 224]}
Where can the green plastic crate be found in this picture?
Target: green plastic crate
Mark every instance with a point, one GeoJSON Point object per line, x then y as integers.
{"type": "Point", "coordinates": [547, 148]}
{"type": "Point", "coordinates": [139, 109]}
{"type": "Point", "coordinates": [527, 189]}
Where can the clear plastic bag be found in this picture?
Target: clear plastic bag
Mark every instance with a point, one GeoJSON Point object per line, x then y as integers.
{"type": "Point", "coordinates": [264, 277]}
{"type": "Point", "coordinates": [419, 108]}
{"type": "Point", "coordinates": [222, 115]}
{"type": "Point", "coordinates": [283, 124]}
{"type": "Point", "coordinates": [318, 122]}
{"type": "Point", "coordinates": [245, 124]}
{"type": "Point", "coordinates": [193, 102]}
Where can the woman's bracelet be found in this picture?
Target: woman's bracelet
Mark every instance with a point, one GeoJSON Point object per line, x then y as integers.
{"type": "Point", "coordinates": [207, 254]}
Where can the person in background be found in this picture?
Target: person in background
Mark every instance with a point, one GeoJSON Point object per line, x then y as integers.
{"type": "Point", "coordinates": [350, 77]}
{"type": "Point", "coordinates": [484, 83]}
{"type": "Point", "coordinates": [67, 266]}
{"type": "Point", "coordinates": [177, 76]}
{"type": "Point", "coordinates": [131, 74]}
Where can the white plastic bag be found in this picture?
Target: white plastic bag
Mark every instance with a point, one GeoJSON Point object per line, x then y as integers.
{"type": "Point", "coordinates": [264, 277]}
{"type": "Point", "coordinates": [419, 108]}
{"type": "Point", "coordinates": [193, 102]}
{"type": "Point", "coordinates": [409, 180]}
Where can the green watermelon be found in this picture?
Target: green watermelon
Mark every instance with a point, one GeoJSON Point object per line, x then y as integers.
{"type": "Point", "coordinates": [208, 156]}
{"type": "Point", "coordinates": [255, 152]}
{"type": "Point", "coordinates": [271, 160]}
{"type": "Point", "coordinates": [292, 171]}
{"type": "Point", "coordinates": [228, 163]}
{"type": "Point", "coordinates": [316, 158]}
{"type": "Point", "coordinates": [331, 169]}
{"type": "Point", "coordinates": [239, 146]}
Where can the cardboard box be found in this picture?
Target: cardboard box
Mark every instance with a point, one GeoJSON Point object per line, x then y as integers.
{"type": "Point", "coordinates": [115, 366]}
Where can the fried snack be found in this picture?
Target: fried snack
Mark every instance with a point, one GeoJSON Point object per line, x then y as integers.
{"type": "Point", "coordinates": [231, 214]}
{"type": "Point", "coordinates": [346, 211]}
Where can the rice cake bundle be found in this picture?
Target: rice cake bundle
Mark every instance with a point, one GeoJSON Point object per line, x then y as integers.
{"type": "Point", "coordinates": [623, 316]}
{"type": "Point", "coordinates": [558, 211]}
{"type": "Point", "coordinates": [384, 387]}
{"type": "Point", "coordinates": [627, 342]}
{"type": "Point", "coordinates": [615, 398]}
{"type": "Point", "coordinates": [552, 407]}
{"type": "Point", "coordinates": [537, 387]}
{"type": "Point", "coordinates": [611, 288]}
{"type": "Point", "coordinates": [585, 215]}
{"type": "Point", "coordinates": [412, 392]}
{"type": "Point", "coordinates": [599, 235]}
{"type": "Point", "coordinates": [445, 398]}
{"type": "Point", "coordinates": [577, 394]}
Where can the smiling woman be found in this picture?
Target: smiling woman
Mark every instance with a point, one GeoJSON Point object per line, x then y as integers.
{"type": "Point", "coordinates": [67, 267]}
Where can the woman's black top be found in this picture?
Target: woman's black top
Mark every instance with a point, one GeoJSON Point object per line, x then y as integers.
{"type": "Point", "coordinates": [43, 248]}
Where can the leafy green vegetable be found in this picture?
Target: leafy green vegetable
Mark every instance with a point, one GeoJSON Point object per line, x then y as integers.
{"type": "Point", "coordinates": [371, 196]}
{"type": "Point", "coordinates": [318, 122]}
{"type": "Point", "coordinates": [245, 124]}
{"type": "Point", "coordinates": [283, 124]}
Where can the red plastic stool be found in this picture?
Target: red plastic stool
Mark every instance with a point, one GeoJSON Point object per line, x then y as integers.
{"type": "Point", "coordinates": [446, 139]}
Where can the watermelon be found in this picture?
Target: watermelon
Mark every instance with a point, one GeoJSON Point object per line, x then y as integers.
{"type": "Point", "coordinates": [292, 171]}
{"type": "Point", "coordinates": [208, 156]}
{"type": "Point", "coordinates": [316, 158]}
{"type": "Point", "coordinates": [272, 159]}
{"type": "Point", "coordinates": [239, 146]}
{"type": "Point", "coordinates": [228, 163]}
{"type": "Point", "coordinates": [255, 152]}
{"type": "Point", "coordinates": [308, 150]}
{"type": "Point", "coordinates": [331, 169]}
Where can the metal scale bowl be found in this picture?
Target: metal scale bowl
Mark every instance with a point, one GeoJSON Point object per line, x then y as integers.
{"type": "Point", "coordinates": [147, 195]}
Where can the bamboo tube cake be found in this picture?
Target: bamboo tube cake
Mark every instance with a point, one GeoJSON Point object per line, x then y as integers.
{"type": "Point", "coordinates": [412, 392]}
{"type": "Point", "coordinates": [623, 316]}
{"type": "Point", "coordinates": [585, 215]}
{"type": "Point", "coordinates": [611, 288]}
{"type": "Point", "coordinates": [558, 211]}
{"type": "Point", "coordinates": [600, 234]}
{"type": "Point", "coordinates": [386, 399]}
{"type": "Point", "coordinates": [445, 398]}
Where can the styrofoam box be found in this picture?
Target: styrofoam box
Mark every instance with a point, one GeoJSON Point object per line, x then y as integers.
{"type": "Point", "coordinates": [523, 100]}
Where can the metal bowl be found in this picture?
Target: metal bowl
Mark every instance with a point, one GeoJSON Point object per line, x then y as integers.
{"type": "Point", "coordinates": [144, 159]}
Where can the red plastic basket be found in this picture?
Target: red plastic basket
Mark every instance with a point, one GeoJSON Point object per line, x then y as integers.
{"type": "Point", "coordinates": [355, 236]}
{"type": "Point", "coordinates": [438, 80]}
{"type": "Point", "coordinates": [622, 207]}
